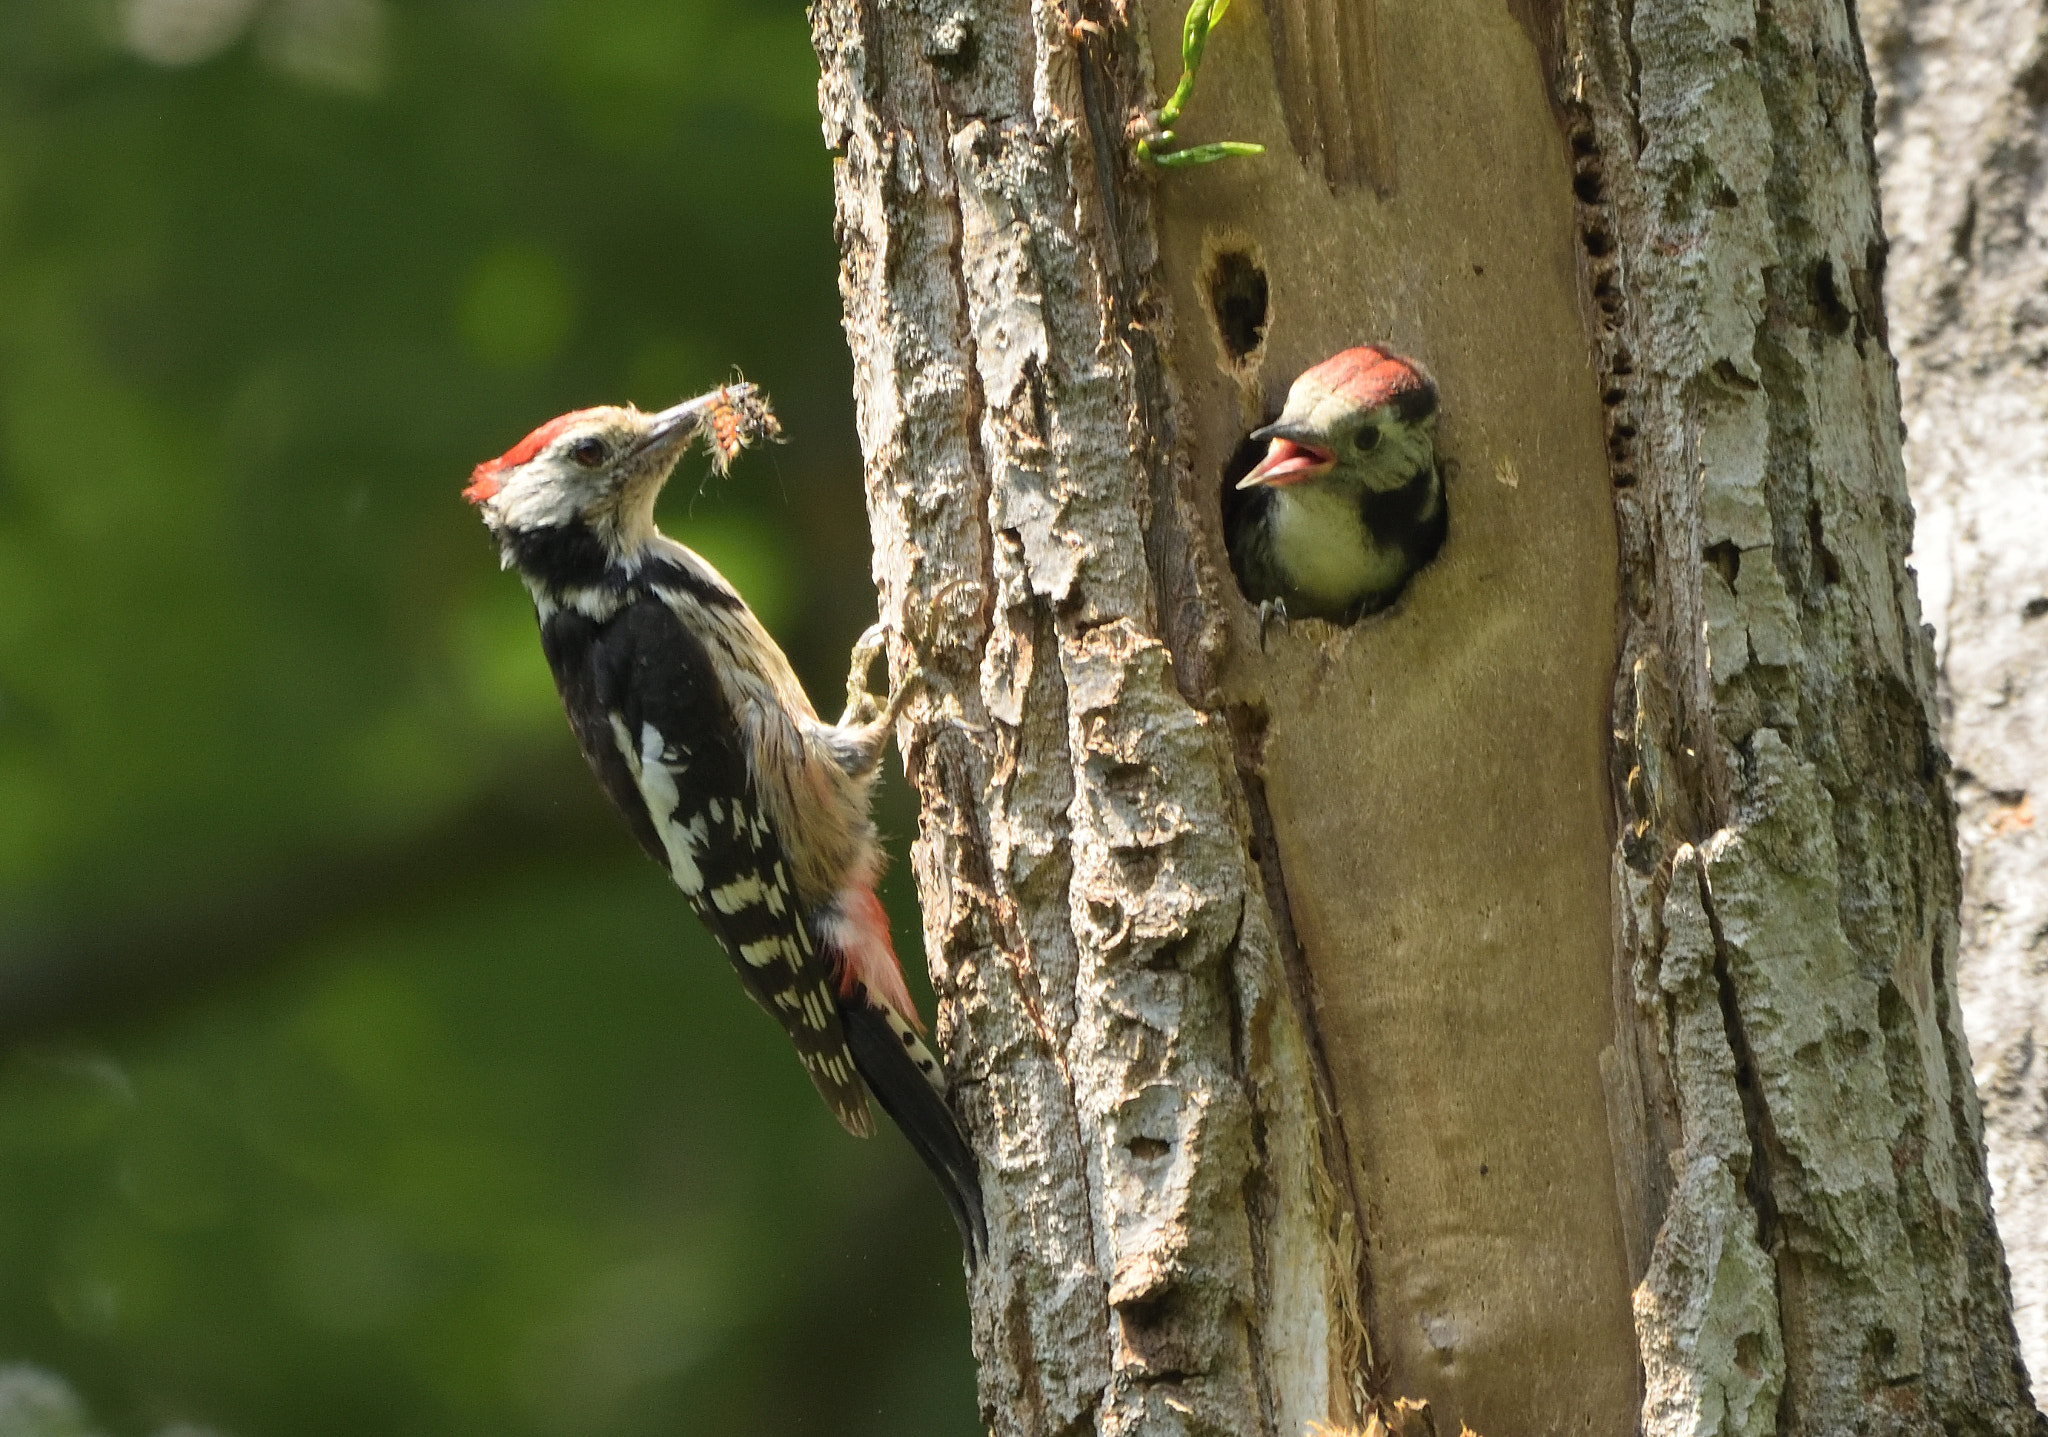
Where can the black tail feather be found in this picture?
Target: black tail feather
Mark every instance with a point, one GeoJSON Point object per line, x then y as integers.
{"type": "Point", "coordinates": [916, 1107]}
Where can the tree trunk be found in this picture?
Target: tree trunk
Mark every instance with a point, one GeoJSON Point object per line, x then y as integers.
{"type": "Point", "coordinates": [1961, 93]}
{"type": "Point", "coordinates": [1537, 1001]}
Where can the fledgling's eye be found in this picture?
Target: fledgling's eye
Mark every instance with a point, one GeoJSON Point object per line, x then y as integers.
{"type": "Point", "coordinates": [1368, 438]}
{"type": "Point", "coordinates": [588, 452]}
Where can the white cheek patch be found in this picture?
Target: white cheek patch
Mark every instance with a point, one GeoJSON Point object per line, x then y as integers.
{"type": "Point", "coordinates": [649, 761]}
{"type": "Point", "coordinates": [528, 501]}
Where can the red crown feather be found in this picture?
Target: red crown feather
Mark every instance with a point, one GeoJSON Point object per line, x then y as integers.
{"type": "Point", "coordinates": [484, 481]}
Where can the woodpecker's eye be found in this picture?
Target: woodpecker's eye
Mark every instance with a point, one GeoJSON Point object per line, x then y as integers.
{"type": "Point", "coordinates": [1368, 438]}
{"type": "Point", "coordinates": [588, 452]}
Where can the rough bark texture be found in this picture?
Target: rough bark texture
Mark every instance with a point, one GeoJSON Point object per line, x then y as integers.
{"type": "Point", "coordinates": [1962, 89]}
{"type": "Point", "coordinates": [1826, 1260]}
{"type": "Point", "coordinates": [1437, 1008]}
{"type": "Point", "coordinates": [1129, 1052]}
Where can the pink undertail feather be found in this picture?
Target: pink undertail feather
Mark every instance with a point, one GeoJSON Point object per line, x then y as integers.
{"type": "Point", "coordinates": [858, 935]}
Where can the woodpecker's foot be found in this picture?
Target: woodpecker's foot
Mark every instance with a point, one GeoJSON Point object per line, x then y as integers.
{"type": "Point", "coordinates": [861, 704]}
{"type": "Point", "coordinates": [863, 709]}
{"type": "Point", "coordinates": [1270, 610]}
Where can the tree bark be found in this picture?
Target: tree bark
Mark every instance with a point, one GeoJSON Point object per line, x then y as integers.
{"type": "Point", "coordinates": [1537, 1002]}
{"type": "Point", "coordinates": [1961, 89]}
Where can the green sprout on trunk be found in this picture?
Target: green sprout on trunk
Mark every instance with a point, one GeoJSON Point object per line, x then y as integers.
{"type": "Point", "coordinates": [1155, 144]}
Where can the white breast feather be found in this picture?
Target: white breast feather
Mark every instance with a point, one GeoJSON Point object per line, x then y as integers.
{"type": "Point", "coordinates": [1331, 555]}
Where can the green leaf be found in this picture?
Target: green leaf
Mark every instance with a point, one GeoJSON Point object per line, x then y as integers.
{"type": "Point", "coordinates": [1205, 154]}
{"type": "Point", "coordinates": [1194, 36]}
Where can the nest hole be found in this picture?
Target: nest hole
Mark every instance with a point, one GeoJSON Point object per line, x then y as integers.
{"type": "Point", "coordinates": [1238, 298]}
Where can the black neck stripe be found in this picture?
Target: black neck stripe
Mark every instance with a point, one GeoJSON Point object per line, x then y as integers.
{"type": "Point", "coordinates": [566, 557]}
{"type": "Point", "coordinates": [561, 556]}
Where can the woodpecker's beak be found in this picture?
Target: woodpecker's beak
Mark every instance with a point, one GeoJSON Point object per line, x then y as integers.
{"type": "Point", "coordinates": [1295, 454]}
{"type": "Point", "coordinates": [675, 426]}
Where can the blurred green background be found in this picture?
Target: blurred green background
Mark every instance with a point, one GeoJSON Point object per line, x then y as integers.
{"type": "Point", "coordinates": [359, 1075]}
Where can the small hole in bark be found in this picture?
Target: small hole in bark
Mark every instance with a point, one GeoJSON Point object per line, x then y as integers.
{"type": "Point", "coordinates": [1126, 780]}
{"type": "Point", "coordinates": [1587, 187]}
{"type": "Point", "coordinates": [1598, 242]}
{"type": "Point", "coordinates": [1142, 1311]}
{"type": "Point", "coordinates": [1965, 238]}
{"type": "Point", "coordinates": [2034, 608]}
{"type": "Point", "coordinates": [1237, 302]}
{"type": "Point", "coordinates": [1482, 1170]}
{"type": "Point", "coordinates": [950, 45]}
{"type": "Point", "coordinates": [1168, 956]}
{"type": "Point", "coordinates": [1728, 374]}
{"type": "Point", "coordinates": [1726, 559]}
{"type": "Point", "coordinates": [1149, 1149]}
{"type": "Point", "coordinates": [1824, 560]}
{"type": "Point", "coordinates": [1833, 315]}
{"type": "Point", "coordinates": [1161, 1376]}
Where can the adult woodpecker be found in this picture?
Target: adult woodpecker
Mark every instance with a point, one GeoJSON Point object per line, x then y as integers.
{"type": "Point", "coordinates": [1347, 503]}
{"type": "Point", "coordinates": [699, 732]}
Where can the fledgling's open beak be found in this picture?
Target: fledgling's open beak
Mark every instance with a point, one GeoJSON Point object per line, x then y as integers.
{"type": "Point", "coordinates": [1294, 455]}
{"type": "Point", "coordinates": [675, 426]}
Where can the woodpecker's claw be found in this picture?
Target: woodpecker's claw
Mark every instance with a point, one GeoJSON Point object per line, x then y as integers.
{"type": "Point", "coordinates": [1269, 610]}
{"type": "Point", "coordinates": [863, 709]}
{"type": "Point", "coordinates": [861, 705]}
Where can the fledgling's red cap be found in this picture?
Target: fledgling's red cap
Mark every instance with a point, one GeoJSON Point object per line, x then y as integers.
{"type": "Point", "coordinates": [1355, 381]}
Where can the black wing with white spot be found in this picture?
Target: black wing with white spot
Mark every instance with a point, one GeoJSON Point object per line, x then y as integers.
{"type": "Point", "coordinates": [652, 721]}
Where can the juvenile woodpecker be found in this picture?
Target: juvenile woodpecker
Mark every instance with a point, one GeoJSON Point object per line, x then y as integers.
{"type": "Point", "coordinates": [699, 732]}
{"type": "Point", "coordinates": [1347, 504]}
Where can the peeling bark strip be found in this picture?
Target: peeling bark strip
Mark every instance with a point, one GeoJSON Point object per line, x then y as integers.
{"type": "Point", "coordinates": [1131, 1065]}
{"type": "Point", "coordinates": [1826, 1261]}
{"type": "Point", "coordinates": [1515, 1049]}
